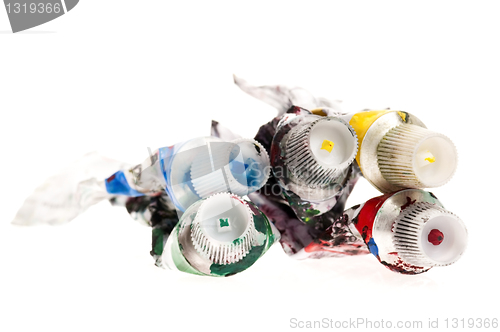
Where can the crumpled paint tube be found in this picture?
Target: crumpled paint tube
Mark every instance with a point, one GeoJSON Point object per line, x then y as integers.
{"type": "Point", "coordinates": [283, 97]}
{"type": "Point", "coordinates": [408, 231]}
{"type": "Point", "coordinates": [196, 169]}
{"type": "Point", "coordinates": [396, 151]}
{"type": "Point", "coordinates": [311, 157]}
{"type": "Point", "coordinates": [65, 195]}
{"type": "Point", "coordinates": [219, 236]}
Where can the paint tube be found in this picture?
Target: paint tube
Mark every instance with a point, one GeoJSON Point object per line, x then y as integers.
{"type": "Point", "coordinates": [218, 236]}
{"type": "Point", "coordinates": [408, 231]}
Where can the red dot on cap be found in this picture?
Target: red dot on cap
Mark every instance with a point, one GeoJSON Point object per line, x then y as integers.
{"type": "Point", "coordinates": [435, 237]}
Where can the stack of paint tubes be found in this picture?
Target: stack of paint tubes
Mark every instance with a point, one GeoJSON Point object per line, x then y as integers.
{"type": "Point", "coordinates": [234, 198]}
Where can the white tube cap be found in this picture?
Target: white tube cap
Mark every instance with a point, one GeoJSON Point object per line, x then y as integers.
{"type": "Point", "coordinates": [223, 230]}
{"type": "Point", "coordinates": [318, 152]}
{"type": "Point", "coordinates": [410, 156]}
{"type": "Point", "coordinates": [241, 167]}
{"type": "Point", "coordinates": [427, 235]}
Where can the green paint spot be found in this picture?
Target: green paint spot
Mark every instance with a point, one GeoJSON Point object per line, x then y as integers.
{"type": "Point", "coordinates": [245, 263]}
{"type": "Point", "coordinates": [237, 241]}
{"type": "Point", "coordinates": [261, 225]}
{"type": "Point", "coordinates": [224, 222]}
{"type": "Point", "coordinates": [271, 238]}
{"type": "Point", "coordinates": [157, 241]}
{"type": "Point", "coordinates": [309, 214]}
{"type": "Point", "coordinates": [312, 212]}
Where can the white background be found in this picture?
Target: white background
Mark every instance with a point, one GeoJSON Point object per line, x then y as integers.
{"type": "Point", "coordinates": [121, 76]}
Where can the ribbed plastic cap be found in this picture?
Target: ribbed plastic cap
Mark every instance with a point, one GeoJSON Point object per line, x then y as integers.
{"type": "Point", "coordinates": [223, 229]}
{"type": "Point", "coordinates": [318, 152]}
{"type": "Point", "coordinates": [241, 167]}
{"type": "Point", "coordinates": [427, 235]}
{"type": "Point", "coordinates": [413, 157]}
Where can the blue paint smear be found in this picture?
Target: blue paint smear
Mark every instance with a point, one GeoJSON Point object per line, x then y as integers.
{"type": "Point", "coordinates": [166, 158]}
{"type": "Point", "coordinates": [237, 167]}
{"type": "Point", "coordinates": [372, 246]}
{"type": "Point", "coordinates": [117, 184]}
{"type": "Point", "coordinates": [246, 175]}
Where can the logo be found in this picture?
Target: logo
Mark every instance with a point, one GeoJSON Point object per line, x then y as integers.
{"type": "Point", "coordinates": [25, 15]}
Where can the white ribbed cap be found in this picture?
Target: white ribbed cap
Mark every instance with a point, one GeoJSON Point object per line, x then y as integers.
{"type": "Point", "coordinates": [414, 157]}
{"type": "Point", "coordinates": [318, 152]}
{"type": "Point", "coordinates": [240, 166]}
{"type": "Point", "coordinates": [223, 229]}
{"type": "Point", "coordinates": [427, 235]}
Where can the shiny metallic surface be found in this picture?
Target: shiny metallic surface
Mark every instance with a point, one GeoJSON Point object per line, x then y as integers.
{"type": "Point", "coordinates": [410, 228]}
{"type": "Point", "coordinates": [368, 150]}
{"type": "Point", "coordinates": [197, 261]}
{"type": "Point", "coordinates": [287, 178]}
{"type": "Point", "coordinates": [382, 226]}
